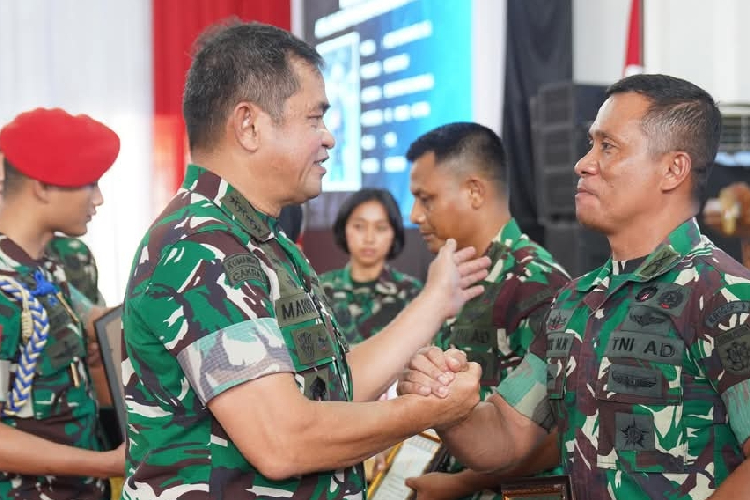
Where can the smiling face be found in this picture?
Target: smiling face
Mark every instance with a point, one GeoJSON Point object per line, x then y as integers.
{"type": "Point", "coordinates": [369, 234]}
{"type": "Point", "coordinates": [300, 141]}
{"type": "Point", "coordinates": [442, 206]}
{"type": "Point", "coordinates": [620, 177]}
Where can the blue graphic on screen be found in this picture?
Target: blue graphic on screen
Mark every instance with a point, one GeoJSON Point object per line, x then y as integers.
{"type": "Point", "coordinates": [414, 67]}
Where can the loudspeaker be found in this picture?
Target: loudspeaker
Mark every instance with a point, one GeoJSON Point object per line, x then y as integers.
{"type": "Point", "coordinates": [569, 103]}
{"type": "Point", "coordinates": [562, 114]}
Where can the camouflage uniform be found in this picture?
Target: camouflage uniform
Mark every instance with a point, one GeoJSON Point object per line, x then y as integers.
{"type": "Point", "coordinates": [62, 407]}
{"type": "Point", "coordinates": [497, 328]}
{"type": "Point", "coordinates": [219, 296]}
{"type": "Point", "coordinates": [79, 264]}
{"type": "Point", "coordinates": [647, 371]}
{"type": "Point", "coordinates": [363, 309]}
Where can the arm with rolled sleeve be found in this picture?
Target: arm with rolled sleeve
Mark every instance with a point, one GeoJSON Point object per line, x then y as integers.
{"type": "Point", "coordinates": [502, 431]}
{"type": "Point", "coordinates": [725, 327]}
{"type": "Point", "coordinates": [231, 350]}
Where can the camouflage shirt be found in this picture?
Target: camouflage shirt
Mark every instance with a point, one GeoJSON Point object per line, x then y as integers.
{"type": "Point", "coordinates": [497, 328]}
{"type": "Point", "coordinates": [363, 309]}
{"type": "Point", "coordinates": [79, 264]}
{"type": "Point", "coordinates": [218, 296]}
{"type": "Point", "coordinates": [646, 365]}
{"type": "Point", "coordinates": [62, 407]}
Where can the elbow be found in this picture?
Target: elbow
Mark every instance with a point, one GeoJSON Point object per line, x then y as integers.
{"type": "Point", "coordinates": [483, 462]}
{"type": "Point", "coordinates": [277, 458]}
{"type": "Point", "coordinates": [276, 469]}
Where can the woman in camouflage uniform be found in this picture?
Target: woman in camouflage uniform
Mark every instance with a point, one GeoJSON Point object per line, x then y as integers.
{"type": "Point", "coordinates": [367, 294]}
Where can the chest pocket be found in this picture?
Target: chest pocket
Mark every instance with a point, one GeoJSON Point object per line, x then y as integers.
{"type": "Point", "coordinates": [475, 333]}
{"type": "Point", "coordinates": [314, 346]}
{"type": "Point", "coordinates": [640, 390]}
{"type": "Point", "coordinates": [559, 345]}
{"type": "Point", "coordinates": [479, 341]}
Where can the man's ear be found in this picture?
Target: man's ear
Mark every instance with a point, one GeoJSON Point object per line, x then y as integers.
{"type": "Point", "coordinates": [42, 191]}
{"type": "Point", "coordinates": [679, 166]}
{"type": "Point", "coordinates": [477, 192]}
{"type": "Point", "coordinates": [245, 124]}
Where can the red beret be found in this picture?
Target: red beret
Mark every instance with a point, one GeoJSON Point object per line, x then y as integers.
{"type": "Point", "coordinates": [60, 149]}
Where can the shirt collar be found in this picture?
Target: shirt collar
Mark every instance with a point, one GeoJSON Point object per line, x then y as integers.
{"type": "Point", "coordinates": [386, 276]}
{"type": "Point", "coordinates": [206, 183]}
{"type": "Point", "coordinates": [681, 241]}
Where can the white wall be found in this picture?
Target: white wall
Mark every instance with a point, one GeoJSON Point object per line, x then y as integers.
{"type": "Point", "coordinates": [599, 32]}
{"type": "Point", "coordinates": [701, 41]}
{"type": "Point", "coordinates": [94, 57]}
{"type": "Point", "coordinates": [704, 42]}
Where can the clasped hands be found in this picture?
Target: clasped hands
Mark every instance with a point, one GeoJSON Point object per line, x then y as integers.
{"type": "Point", "coordinates": [446, 375]}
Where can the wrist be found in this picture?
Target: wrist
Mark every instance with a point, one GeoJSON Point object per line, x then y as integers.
{"type": "Point", "coordinates": [432, 304]}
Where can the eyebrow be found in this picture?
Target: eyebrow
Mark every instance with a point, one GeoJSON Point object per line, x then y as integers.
{"type": "Point", "coordinates": [322, 107]}
{"type": "Point", "coordinates": [600, 134]}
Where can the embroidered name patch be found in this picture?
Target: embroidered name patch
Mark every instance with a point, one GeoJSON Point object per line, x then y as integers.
{"type": "Point", "coordinates": [645, 346]}
{"type": "Point", "coordinates": [295, 309]}
{"type": "Point", "coordinates": [559, 344]}
{"type": "Point", "coordinates": [471, 336]}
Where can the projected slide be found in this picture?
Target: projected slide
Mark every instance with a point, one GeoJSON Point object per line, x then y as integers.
{"type": "Point", "coordinates": [394, 70]}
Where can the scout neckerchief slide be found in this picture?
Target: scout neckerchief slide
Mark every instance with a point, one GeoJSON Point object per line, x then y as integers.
{"type": "Point", "coordinates": [35, 330]}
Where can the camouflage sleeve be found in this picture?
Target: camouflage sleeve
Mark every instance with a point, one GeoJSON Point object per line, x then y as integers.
{"type": "Point", "coordinates": [525, 388]}
{"type": "Point", "coordinates": [521, 309]}
{"type": "Point", "coordinates": [722, 347]}
{"type": "Point", "coordinates": [209, 302]}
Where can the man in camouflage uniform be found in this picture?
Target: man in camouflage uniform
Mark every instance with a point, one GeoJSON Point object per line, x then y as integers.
{"type": "Point", "coordinates": [645, 368]}
{"type": "Point", "coordinates": [458, 181]}
{"type": "Point", "coordinates": [238, 382]}
{"type": "Point", "coordinates": [363, 309]}
{"type": "Point", "coordinates": [50, 440]}
{"type": "Point", "coordinates": [77, 260]}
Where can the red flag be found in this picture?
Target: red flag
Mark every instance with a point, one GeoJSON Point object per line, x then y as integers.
{"type": "Point", "coordinates": [633, 54]}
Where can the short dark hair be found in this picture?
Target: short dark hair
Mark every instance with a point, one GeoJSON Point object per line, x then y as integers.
{"type": "Point", "coordinates": [385, 198]}
{"type": "Point", "coordinates": [12, 179]}
{"type": "Point", "coordinates": [681, 117]}
{"type": "Point", "coordinates": [237, 61]}
{"type": "Point", "coordinates": [475, 145]}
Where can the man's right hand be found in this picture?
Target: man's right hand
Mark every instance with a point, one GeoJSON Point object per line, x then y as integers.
{"type": "Point", "coordinates": [462, 397]}
{"type": "Point", "coordinates": [431, 371]}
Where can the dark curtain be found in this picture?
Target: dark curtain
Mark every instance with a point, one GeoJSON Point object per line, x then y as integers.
{"type": "Point", "coordinates": [540, 51]}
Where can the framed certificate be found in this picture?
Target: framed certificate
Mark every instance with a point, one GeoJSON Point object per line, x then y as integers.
{"type": "Point", "coordinates": [415, 456]}
{"type": "Point", "coordinates": [538, 488]}
{"type": "Point", "coordinates": [108, 330]}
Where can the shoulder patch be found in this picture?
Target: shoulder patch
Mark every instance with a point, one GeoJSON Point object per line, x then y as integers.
{"type": "Point", "coordinates": [735, 307]}
{"type": "Point", "coordinates": [245, 213]}
{"type": "Point", "coordinates": [734, 350]}
{"type": "Point", "coordinates": [242, 267]}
